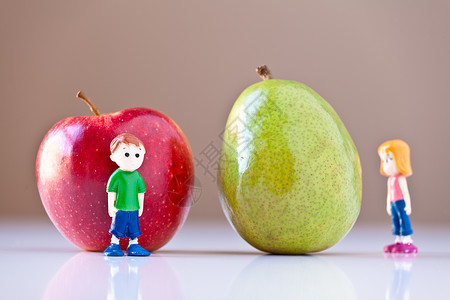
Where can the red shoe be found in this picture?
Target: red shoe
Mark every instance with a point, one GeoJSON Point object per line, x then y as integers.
{"type": "Point", "coordinates": [404, 248]}
{"type": "Point", "coordinates": [389, 248]}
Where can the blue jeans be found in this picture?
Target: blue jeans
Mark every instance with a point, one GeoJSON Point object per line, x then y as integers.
{"type": "Point", "coordinates": [400, 220]}
{"type": "Point", "coordinates": [126, 224]}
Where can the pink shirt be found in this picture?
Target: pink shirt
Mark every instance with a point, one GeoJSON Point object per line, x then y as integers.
{"type": "Point", "coordinates": [395, 192]}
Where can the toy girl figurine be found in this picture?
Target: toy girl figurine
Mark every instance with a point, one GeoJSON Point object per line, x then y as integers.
{"type": "Point", "coordinates": [396, 164]}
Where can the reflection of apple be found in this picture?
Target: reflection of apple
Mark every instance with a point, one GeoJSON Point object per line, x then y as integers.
{"type": "Point", "coordinates": [93, 276]}
{"type": "Point", "coordinates": [73, 167]}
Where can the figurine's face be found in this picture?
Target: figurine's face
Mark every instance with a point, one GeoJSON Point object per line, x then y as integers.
{"type": "Point", "coordinates": [128, 157]}
{"type": "Point", "coordinates": [389, 165]}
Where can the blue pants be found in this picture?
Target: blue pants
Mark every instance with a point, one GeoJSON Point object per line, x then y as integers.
{"type": "Point", "coordinates": [126, 224]}
{"type": "Point", "coordinates": [400, 220]}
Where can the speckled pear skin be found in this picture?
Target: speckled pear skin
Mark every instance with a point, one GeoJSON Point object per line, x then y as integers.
{"type": "Point", "coordinates": [289, 176]}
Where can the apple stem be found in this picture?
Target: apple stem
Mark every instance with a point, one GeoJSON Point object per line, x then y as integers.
{"type": "Point", "coordinates": [264, 72]}
{"type": "Point", "coordinates": [93, 108]}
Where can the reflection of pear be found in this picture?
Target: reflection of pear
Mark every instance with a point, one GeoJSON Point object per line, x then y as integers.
{"type": "Point", "coordinates": [291, 277]}
{"type": "Point", "coordinates": [289, 176]}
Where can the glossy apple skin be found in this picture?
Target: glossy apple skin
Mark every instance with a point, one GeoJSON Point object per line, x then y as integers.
{"type": "Point", "coordinates": [73, 167]}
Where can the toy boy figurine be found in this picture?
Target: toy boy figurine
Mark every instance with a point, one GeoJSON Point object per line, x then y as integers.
{"type": "Point", "coordinates": [396, 164]}
{"type": "Point", "coordinates": [126, 190]}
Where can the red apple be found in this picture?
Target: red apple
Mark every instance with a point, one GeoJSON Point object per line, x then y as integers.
{"type": "Point", "coordinates": [73, 167]}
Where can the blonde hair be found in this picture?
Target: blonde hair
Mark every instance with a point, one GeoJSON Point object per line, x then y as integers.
{"type": "Point", "coordinates": [401, 152]}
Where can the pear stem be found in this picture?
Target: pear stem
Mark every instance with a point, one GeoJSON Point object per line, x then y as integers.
{"type": "Point", "coordinates": [93, 108]}
{"type": "Point", "coordinates": [264, 72]}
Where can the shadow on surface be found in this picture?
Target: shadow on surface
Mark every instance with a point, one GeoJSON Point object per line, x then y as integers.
{"type": "Point", "coordinates": [259, 253]}
{"type": "Point", "coordinates": [39, 250]}
{"type": "Point", "coordinates": [207, 252]}
{"type": "Point", "coordinates": [436, 255]}
{"type": "Point", "coordinates": [349, 254]}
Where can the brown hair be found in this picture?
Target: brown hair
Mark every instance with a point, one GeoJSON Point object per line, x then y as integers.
{"type": "Point", "coordinates": [127, 139]}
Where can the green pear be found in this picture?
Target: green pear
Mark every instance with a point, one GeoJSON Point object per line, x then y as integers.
{"type": "Point", "coordinates": [289, 176]}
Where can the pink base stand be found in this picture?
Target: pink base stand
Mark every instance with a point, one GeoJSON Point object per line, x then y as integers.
{"type": "Point", "coordinates": [388, 248]}
{"type": "Point", "coordinates": [400, 248]}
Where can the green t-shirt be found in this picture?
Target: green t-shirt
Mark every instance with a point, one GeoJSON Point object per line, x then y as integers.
{"type": "Point", "coordinates": [127, 186]}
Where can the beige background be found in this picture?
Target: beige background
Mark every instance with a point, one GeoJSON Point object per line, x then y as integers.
{"type": "Point", "coordinates": [383, 65]}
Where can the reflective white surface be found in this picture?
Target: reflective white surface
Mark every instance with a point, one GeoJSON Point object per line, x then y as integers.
{"type": "Point", "coordinates": [210, 261]}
